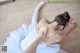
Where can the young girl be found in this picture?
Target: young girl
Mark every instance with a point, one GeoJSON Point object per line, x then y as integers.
{"type": "Point", "coordinates": [42, 36]}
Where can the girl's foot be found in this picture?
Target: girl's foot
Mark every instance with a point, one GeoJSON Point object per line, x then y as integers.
{"type": "Point", "coordinates": [42, 32]}
{"type": "Point", "coordinates": [40, 5]}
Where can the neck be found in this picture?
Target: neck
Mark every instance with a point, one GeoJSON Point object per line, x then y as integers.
{"type": "Point", "coordinates": [53, 25]}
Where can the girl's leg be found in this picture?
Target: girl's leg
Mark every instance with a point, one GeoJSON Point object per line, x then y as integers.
{"type": "Point", "coordinates": [15, 38]}
{"type": "Point", "coordinates": [20, 34]}
{"type": "Point", "coordinates": [36, 13]}
{"type": "Point", "coordinates": [32, 25]}
{"type": "Point", "coordinates": [36, 16]}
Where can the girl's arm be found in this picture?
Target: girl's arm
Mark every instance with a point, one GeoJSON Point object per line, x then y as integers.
{"type": "Point", "coordinates": [71, 25]}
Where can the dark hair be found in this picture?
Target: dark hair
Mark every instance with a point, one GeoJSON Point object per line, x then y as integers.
{"type": "Point", "coordinates": [62, 19]}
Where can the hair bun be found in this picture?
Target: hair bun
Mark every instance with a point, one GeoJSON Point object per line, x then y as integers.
{"type": "Point", "coordinates": [66, 15]}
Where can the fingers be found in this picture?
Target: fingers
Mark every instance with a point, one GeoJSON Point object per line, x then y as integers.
{"type": "Point", "coordinates": [73, 22]}
{"type": "Point", "coordinates": [71, 19]}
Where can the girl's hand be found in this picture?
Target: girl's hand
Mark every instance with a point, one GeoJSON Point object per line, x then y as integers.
{"type": "Point", "coordinates": [72, 24]}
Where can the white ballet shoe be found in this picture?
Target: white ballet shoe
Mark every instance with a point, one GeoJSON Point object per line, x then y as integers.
{"type": "Point", "coordinates": [40, 5]}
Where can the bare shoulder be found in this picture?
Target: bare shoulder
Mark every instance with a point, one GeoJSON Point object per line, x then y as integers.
{"type": "Point", "coordinates": [43, 20]}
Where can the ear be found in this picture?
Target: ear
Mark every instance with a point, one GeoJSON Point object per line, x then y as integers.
{"type": "Point", "coordinates": [61, 27]}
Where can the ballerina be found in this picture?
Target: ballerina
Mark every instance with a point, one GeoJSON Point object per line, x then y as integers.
{"type": "Point", "coordinates": [42, 36]}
